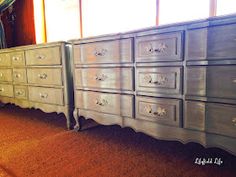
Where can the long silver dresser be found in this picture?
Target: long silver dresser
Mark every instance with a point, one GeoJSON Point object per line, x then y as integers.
{"type": "Point", "coordinates": [38, 76]}
{"type": "Point", "coordinates": [174, 82]}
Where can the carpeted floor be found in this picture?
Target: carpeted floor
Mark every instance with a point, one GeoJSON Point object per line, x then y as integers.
{"type": "Point", "coordinates": [36, 144]}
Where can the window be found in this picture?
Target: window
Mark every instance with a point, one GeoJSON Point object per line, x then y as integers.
{"type": "Point", "coordinates": [114, 16]}
{"type": "Point", "coordinates": [62, 19]}
{"type": "Point", "coordinates": [40, 32]}
{"type": "Point", "coordinates": [226, 7]}
{"type": "Point", "coordinates": [171, 11]}
{"type": "Point", "coordinates": [65, 19]}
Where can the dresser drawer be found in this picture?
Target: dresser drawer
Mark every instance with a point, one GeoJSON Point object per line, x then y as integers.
{"type": "Point", "coordinates": [5, 59]}
{"type": "Point", "coordinates": [160, 47]}
{"type": "Point", "coordinates": [116, 51]}
{"type": "Point", "coordinates": [19, 75]}
{"type": "Point", "coordinates": [222, 42]}
{"type": "Point", "coordinates": [43, 56]}
{"type": "Point", "coordinates": [6, 90]}
{"type": "Point", "coordinates": [213, 117]}
{"type": "Point", "coordinates": [160, 110]}
{"type": "Point", "coordinates": [218, 42]}
{"type": "Point", "coordinates": [6, 75]}
{"type": "Point", "coordinates": [109, 103]}
{"type": "Point", "coordinates": [211, 81]}
{"type": "Point", "coordinates": [49, 76]}
{"type": "Point", "coordinates": [21, 92]}
{"type": "Point", "coordinates": [166, 80]}
{"type": "Point", "coordinates": [194, 115]}
{"type": "Point", "coordinates": [106, 78]}
{"type": "Point", "coordinates": [18, 58]}
{"type": "Point", "coordinates": [46, 95]}
{"type": "Point", "coordinates": [221, 119]}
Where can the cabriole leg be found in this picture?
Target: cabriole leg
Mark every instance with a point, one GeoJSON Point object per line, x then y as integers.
{"type": "Point", "coordinates": [77, 126]}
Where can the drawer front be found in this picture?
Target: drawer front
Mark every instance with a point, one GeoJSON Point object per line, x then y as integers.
{"type": "Point", "coordinates": [21, 92]}
{"type": "Point", "coordinates": [194, 115]}
{"type": "Point", "coordinates": [5, 59]}
{"type": "Point", "coordinates": [49, 76]}
{"type": "Point", "coordinates": [18, 58]}
{"type": "Point", "coordinates": [160, 47]}
{"type": "Point", "coordinates": [196, 44]}
{"type": "Point", "coordinates": [6, 75]}
{"type": "Point", "coordinates": [222, 42]}
{"type": "Point", "coordinates": [46, 95]}
{"type": "Point", "coordinates": [105, 103]}
{"type": "Point", "coordinates": [160, 80]}
{"type": "Point", "coordinates": [19, 75]}
{"type": "Point", "coordinates": [116, 51]}
{"type": "Point", "coordinates": [212, 81]}
{"type": "Point", "coordinates": [105, 78]}
{"type": "Point", "coordinates": [221, 119]}
{"type": "Point", "coordinates": [160, 110]}
{"type": "Point", "coordinates": [6, 90]}
{"type": "Point", "coordinates": [43, 56]}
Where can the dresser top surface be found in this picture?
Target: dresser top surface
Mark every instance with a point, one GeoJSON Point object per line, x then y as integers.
{"type": "Point", "coordinates": [33, 46]}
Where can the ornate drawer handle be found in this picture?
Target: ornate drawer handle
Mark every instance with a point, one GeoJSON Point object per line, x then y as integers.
{"type": "Point", "coordinates": [42, 76]}
{"type": "Point", "coordinates": [160, 48]}
{"type": "Point", "coordinates": [101, 103]}
{"type": "Point", "coordinates": [160, 111]}
{"type": "Point", "coordinates": [19, 92]}
{"type": "Point", "coordinates": [17, 75]}
{"type": "Point", "coordinates": [43, 95]}
{"type": "Point", "coordinates": [102, 77]}
{"type": "Point", "coordinates": [40, 57]}
{"type": "Point", "coordinates": [100, 53]}
{"type": "Point", "coordinates": [234, 121]}
{"type": "Point", "coordinates": [16, 58]}
{"type": "Point", "coordinates": [161, 80]}
{"type": "Point", "coordinates": [1, 89]}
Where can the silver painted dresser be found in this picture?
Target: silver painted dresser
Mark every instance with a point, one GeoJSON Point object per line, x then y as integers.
{"type": "Point", "coordinates": [37, 76]}
{"type": "Point", "coordinates": [174, 82]}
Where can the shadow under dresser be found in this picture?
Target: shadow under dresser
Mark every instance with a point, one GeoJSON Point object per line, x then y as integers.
{"type": "Point", "coordinates": [174, 82]}
{"type": "Point", "coordinates": [38, 76]}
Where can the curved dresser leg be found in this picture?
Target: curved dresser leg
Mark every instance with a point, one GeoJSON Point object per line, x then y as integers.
{"type": "Point", "coordinates": [77, 126]}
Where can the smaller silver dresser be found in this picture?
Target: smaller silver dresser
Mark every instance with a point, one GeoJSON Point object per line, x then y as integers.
{"type": "Point", "coordinates": [37, 76]}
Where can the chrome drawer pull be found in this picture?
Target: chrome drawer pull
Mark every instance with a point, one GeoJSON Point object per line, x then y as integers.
{"type": "Point", "coordinates": [101, 103]}
{"type": "Point", "coordinates": [17, 75]}
{"type": "Point", "coordinates": [100, 53]}
{"type": "Point", "coordinates": [16, 58]}
{"type": "Point", "coordinates": [234, 121]}
{"type": "Point", "coordinates": [160, 111]}
{"type": "Point", "coordinates": [42, 76]}
{"type": "Point", "coordinates": [43, 95]}
{"type": "Point", "coordinates": [102, 77]}
{"type": "Point", "coordinates": [40, 57]}
{"type": "Point", "coordinates": [161, 48]}
{"type": "Point", "coordinates": [161, 80]}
